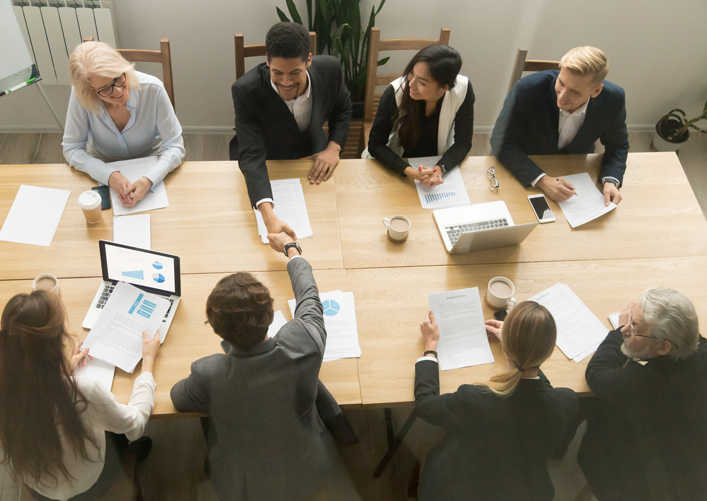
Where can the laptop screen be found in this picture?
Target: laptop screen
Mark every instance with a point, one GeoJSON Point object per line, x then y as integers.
{"type": "Point", "coordinates": [140, 267]}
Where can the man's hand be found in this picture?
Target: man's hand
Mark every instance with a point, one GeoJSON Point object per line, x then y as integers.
{"type": "Point", "coordinates": [136, 192]}
{"type": "Point", "coordinates": [494, 328]}
{"type": "Point", "coordinates": [279, 240]}
{"type": "Point", "coordinates": [119, 183]}
{"type": "Point", "coordinates": [272, 223]}
{"type": "Point", "coordinates": [625, 313]}
{"type": "Point", "coordinates": [430, 331]}
{"type": "Point", "coordinates": [557, 188]}
{"type": "Point", "coordinates": [611, 193]}
{"type": "Point", "coordinates": [324, 164]}
{"type": "Point", "coordinates": [80, 357]}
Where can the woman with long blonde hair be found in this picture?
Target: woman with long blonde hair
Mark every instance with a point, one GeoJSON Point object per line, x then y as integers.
{"type": "Point", "coordinates": [500, 435]}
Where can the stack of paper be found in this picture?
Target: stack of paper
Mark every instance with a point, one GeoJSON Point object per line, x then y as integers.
{"type": "Point", "coordinates": [451, 193]}
{"type": "Point", "coordinates": [340, 324]}
{"type": "Point", "coordinates": [289, 207]}
{"type": "Point", "coordinates": [614, 319]}
{"type": "Point", "coordinates": [155, 198]}
{"type": "Point", "coordinates": [579, 331]}
{"type": "Point", "coordinates": [462, 333]}
{"type": "Point", "coordinates": [587, 203]}
{"type": "Point", "coordinates": [99, 370]}
{"type": "Point", "coordinates": [116, 336]}
{"type": "Point", "coordinates": [34, 215]}
{"type": "Point", "coordinates": [132, 230]}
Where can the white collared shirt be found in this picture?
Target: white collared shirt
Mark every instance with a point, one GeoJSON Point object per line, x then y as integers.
{"type": "Point", "coordinates": [569, 124]}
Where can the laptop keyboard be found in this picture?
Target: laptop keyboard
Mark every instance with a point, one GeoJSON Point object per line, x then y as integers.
{"type": "Point", "coordinates": [457, 230]}
{"type": "Point", "coordinates": [108, 290]}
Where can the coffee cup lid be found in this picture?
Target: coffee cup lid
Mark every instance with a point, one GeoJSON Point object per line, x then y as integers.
{"type": "Point", "coordinates": [89, 200]}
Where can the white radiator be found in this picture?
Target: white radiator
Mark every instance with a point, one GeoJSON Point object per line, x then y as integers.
{"type": "Point", "coordinates": [52, 28]}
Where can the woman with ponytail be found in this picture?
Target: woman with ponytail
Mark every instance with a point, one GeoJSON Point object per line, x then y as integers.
{"type": "Point", "coordinates": [500, 435]}
{"type": "Point", "coordinates": [58, 431]}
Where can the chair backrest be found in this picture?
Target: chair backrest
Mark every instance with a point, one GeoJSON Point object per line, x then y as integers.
{"type": "Point", "coordinates": [377, 45]}
{"type": "Point", "coordinates": [522, 64]}
{"type": "Point", "coordinates": [162, 56]}
{"type": "Point", "coordinates": [243, 51]}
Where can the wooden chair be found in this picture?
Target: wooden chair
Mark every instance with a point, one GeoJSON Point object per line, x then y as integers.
{"type": "Point", "coordinates": [162, 56]}
{"type": "Point", "coordinates": [243, 51]}
{"type": "Point", "coordinates": [522, 64]}
{"type": "Point", "coordinates": [373, 79]}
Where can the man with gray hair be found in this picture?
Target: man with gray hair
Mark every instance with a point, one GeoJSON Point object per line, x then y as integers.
{"type": "Point", "coordinates": [646, 433]}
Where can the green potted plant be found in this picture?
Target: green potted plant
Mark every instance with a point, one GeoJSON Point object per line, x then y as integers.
{"type": "Point", "coordinates": [673, 129]}
{"type": "Point", "coordinates": [337, 24]}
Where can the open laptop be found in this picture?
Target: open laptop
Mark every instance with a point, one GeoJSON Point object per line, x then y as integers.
{"type": "Point", "coordinates": [481, 226]}
{"type": "Point", "coordinates": [154, 272]}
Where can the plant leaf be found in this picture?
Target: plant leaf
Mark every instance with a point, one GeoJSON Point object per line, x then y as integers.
{"type": "Point", "coordinates": [380, 6]}
{"type": "Point", "coordinates": [704, 112]}
{"type": "Point", "coordinates": [282, 15]}
{"type": "Point", "coordinates": [293, 12]}
{"type": "Point", "coordinates": [323, 8]}
{"type": "Point", "coordinates": [381, 62]}
{"type": "Point", "coordinates": [309, 16]}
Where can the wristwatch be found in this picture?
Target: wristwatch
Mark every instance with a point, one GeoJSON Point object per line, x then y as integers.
{"type": "Point", "coordinates": [443, 168]}
{"type": "Point", "coordinates": [612, 181]}
{"type": "Point", "coordinates": [291, 245]}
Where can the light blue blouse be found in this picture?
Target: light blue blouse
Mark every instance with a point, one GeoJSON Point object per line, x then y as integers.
{"type": "Point", "coordinates": [91, 139]}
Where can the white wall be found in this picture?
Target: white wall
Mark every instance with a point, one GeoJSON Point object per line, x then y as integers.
{"type": "Point", "coordinates": [656, 49]}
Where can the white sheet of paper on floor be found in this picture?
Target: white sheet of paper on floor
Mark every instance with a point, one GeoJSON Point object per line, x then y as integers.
{"type": "Point", "coordinates": [155, 197]}
{"type": "Point", "coordinates": [132, 230]}
{"type": "Point", "coordinates": [290, 207]}
{"type": "Point", "coordinates": [462, 339]}
{"type": "Point", "coordinates": [451, 193]}
{"type": "Point", "coordinates": [34, 215]}
{"type": "Point", "coordinates": [588, 203]}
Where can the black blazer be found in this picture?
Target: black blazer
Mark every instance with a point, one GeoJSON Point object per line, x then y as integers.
{"type": "Point", "coordinates": [647, 427]}
{"type": "Point", "coordinates": [267, 130]}
{"type": "Point", "coordinates": [530, 117]}
{"type": "Point", "coordinates": [496, 448]}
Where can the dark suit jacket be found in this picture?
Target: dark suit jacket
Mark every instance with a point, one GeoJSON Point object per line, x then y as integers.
{"type": "Point", "coordinates": [271, 442]}
{"type": "Point", "coordinates": [646, 433]}
{"type": "Point", "coordinates": [267, 130]}
{"type": "Point", "coordinates": [496, 448]}
{"type": "Point", "coordinates": [530, 117]}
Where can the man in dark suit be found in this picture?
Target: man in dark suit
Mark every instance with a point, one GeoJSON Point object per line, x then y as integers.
{"type": "Point", "coordinates": [269, 433]}
{"type": "Point", "coordinates": [564, 112]}
{"type": "Point", "coordinates": [647, 427]}
{"type": "Point", "coordinates": [281, 106]}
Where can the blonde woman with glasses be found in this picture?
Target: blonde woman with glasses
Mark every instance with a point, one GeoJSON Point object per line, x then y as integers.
{"type": "Point", "coordinates": [117, 113]}
{"type": "Point", "coordinates": [501, 435]}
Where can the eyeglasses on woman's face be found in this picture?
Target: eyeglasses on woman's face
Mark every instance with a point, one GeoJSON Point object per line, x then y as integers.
{"type": "Point", "coordinates": [108, 90]}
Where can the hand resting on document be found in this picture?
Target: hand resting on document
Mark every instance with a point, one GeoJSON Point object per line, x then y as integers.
{"type": "Point", "coordinates": [611, 194]}
{"type": "Point", "coordinates": [149, 350]}
{"type": "Point", "coordinates": [557, 188]}
{"type": "Point", "coordinates": [426, 175]}
{"type": "Point", "coordinates": [494, 328]}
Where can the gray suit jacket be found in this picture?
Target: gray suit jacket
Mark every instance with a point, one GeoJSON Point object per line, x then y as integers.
{"type": "Point", "coordinates": [271, 442]}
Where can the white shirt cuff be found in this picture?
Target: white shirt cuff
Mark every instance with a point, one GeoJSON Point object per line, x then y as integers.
{"type": "Point", "coordinates": [433, 359]}
{"type": "Point", "coordinates": [293, 257]}
{"type": "Point", "coordinates": [533, 183]}
{"type": "Point", "coordinates": [603, 180]}
{"type": "Point", "coordinates": [257, 205]}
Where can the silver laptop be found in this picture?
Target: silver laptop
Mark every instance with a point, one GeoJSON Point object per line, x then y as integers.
{"type": "Point", "coordinates": [154, 272]}
{"type": "Point", "coordinates": [481, 226]}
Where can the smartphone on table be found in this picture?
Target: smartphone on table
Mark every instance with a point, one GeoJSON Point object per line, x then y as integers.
{"type": "Point", "coordinates": [104, 192]}
{"type": "Point", "coordinates": [541, 208]}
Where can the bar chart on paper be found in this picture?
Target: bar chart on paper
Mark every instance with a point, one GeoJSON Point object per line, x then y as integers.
{"type": "Point", "coordinates": [451, 193]}
{"type": "Point", "coordinates": [434, 197]}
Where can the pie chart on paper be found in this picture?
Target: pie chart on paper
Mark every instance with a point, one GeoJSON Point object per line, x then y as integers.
{"type": "Point", "coordinates": [331, 307]}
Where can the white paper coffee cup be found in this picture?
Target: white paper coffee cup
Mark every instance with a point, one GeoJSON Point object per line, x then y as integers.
{"type": "Point", "coordinates": [90, 203]}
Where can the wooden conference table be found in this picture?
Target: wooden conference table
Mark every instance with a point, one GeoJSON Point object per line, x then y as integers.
{"type": "Point", "coordinates": [657, 236]}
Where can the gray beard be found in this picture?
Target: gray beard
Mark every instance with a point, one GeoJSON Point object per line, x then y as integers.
{"type": "Point", "coordinates": [632, 354]}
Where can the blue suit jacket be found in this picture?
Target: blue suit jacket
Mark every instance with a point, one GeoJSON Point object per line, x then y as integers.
{"type": "Point", "coordinates": [529, 121]}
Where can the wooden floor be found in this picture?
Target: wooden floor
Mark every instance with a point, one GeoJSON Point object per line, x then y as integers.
{"type": "Point", "coordinates": [174, 470]}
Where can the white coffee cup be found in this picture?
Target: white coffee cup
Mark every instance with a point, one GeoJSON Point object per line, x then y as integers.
{"type": "Point", "coordinates": [499, 294]}
{"type": "Point", "coordinates": [398, 227]}
{"type": "Point", "coordinates": [90, 203]}
{"type": "Point", "coordinates": [47, 282]}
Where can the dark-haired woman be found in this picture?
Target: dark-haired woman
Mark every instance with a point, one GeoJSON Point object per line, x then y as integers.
{"type": "Point", "coordinates": [429, 111]}
{"type": "Point", "coordinates": [500, 436]}
{"type": "Point", "coordinates": [58, 431]}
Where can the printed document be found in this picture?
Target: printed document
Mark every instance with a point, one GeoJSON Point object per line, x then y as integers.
{"type": "Point", "coordinates": [588, 202]}
{"type": "Point", "coordinates": [462, 333]}
{"type": "Point", "coordinates": [155, 198]}
{"type": "Point", "coordinates": [289, 207]}
{"type": "Point", "coordinates": [278, 323]}
{"type": "Point", "coordinates": [116, 336]}
{"type": "Point", "coordinates": [451, 193]}
{"type": "Point", "coordinates": [579, 331]}
{"type": "Point", "coordinates": [340, 324]}
{"type": "Point", "coordinates": [34, 215]}
{"type": "Point", "coordinates": [99, 370]}
{"type": "Point", "coordinates": [132, 230]}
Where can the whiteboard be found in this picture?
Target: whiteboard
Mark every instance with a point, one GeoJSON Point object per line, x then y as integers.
{"type": "Point", "coordinates": [15, 61]}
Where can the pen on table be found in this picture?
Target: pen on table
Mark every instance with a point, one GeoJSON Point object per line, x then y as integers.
{"type": "Point", "coordinates": [575, 191]}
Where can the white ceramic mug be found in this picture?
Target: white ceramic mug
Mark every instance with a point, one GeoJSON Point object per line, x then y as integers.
{"type": "Point", "coordinates": [43, 282]}
{"type": "Point", "coordinates": [398, 227]}
{"type": "Point", "coordinates": [499, 294]}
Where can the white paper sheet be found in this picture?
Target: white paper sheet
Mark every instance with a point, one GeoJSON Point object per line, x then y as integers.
{"type": "Point", "coordinates": [340, 323]}
{"type": "Point", "coordinates": [116, 336]}
{"type": "Point", "coordinates": [290, 207]}
{"type": "Point", "coordinates": [451, 193]}
{"type": "Point", "coordinates": [99, 370]}
{"type": "Point", "coordinates": [132, 230]}
{"type": "Point", "coordinates": [614, 319]}
{"type": "Point", "coordinates": [588, 202]}
{"type": "Point", "coordinates": [34, 215]}
{"type": "Point", "coordinates": [155, 198]}
{"type": "Point", "coordinates": [462, 333]}
{"type": "Point", "coordinates": [579, 331]}
{"type": "Point", "coordinates": [278, 322]}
